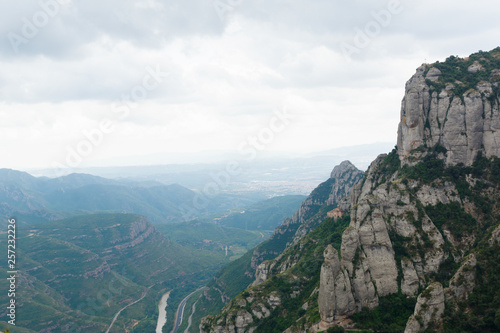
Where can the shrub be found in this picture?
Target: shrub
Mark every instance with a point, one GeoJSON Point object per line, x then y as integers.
{"type": "Point", "coordinates": [390, 316]}
{"type": "Point", "coordinates": [336, 329]}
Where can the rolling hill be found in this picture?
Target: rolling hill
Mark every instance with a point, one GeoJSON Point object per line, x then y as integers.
{"type": "Point", "coordinates": [264, 215]}
{"type": "Point", "coordinates": [34, 200]}
{"type": "Point", "coordinates": [77, 273]}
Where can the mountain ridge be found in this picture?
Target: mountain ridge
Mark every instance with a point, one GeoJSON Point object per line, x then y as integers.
{"type": "Point", "coordinates": [414, 218]}
{"type": "Point", "coordinates": [254, 267]}
{"type": "Point", "coordinates": [35, 200]}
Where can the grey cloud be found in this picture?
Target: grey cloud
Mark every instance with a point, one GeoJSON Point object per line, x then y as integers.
{"type": "Point", "coordinates": [62, 62]}
{"type": "Point", "coordinates": [321, 16]}
{"type": "Point", "coordinates": [89, 80]}
{"type": "Point", "coordinates": [148, 23]}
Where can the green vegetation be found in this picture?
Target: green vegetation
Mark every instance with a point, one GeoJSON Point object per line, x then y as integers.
{"type": "Point", "coordinates": [474, 184]}
{"type": "Point", "coordinates": [389, 165]}
{"type": "Point", "coordinates": [308, 268]}
{"type": "Point", "coordinates": [335, 329]}
{"type": "Point", "coordinates": [212, 238]}
{"type": "Point", "coordinates": [232, 278]}
{"type": "Point", "coordinates": [264, 215]}
{"type": "Point", "coordinates": [446, 271]}
{"type": "Point", "coordinates": [164, 203]}
{"type": "Point", "coordinates": [427, 170]}
{"type": "Point", "coordinates": [189, 311]}
{"type": "Point", "coordinates": [432, 168]}
{"type": "Point", "coordinates": [79, 272]}
{"type": "Point", "coordinates": [237, 275]}
{"type": "Point", "coordinates": [35, 200]}
{"type": "Point", "coordinates": [470, 214]}
{"type": "Point", "coordinates": [481, 313]}
{"type": "Point", "coordinates": [228, 282]}
{"type": "Point", "coordinates": [301, 279]}
{"type": "Point", "coordinates": [13, 329]}
{"type": "Point", "coordinates": [454, 69]}
{"type": "Point", "coordinates": [399, 244]}
{"type": "Point", "coordinates": [390, 315]}
{"type": "Point", "coordinates": [147, 325]}
{"type": "Point", "coordinates": [453, 217]}
{"type": "Point", "coordinates": [183, 288]}
{"type": "Point", "coordinates": [209, 241]}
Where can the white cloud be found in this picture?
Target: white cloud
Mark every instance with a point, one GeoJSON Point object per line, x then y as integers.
{"type": "Point", "coordinates": [225, 77]}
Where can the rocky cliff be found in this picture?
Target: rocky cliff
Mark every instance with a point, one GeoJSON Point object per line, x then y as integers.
{"type": "Point", "coordinates": [454, 105]}
{"type": "Point", "coordinates": [311, 213]}
{"type": "Point", "coordinates": [272, 257]}
{"type": "Point", "coordinates": [423, 222]}
{"type": "Point", "coordinates": [422, 208]}
{"type": "Point", "coordinates": [328, 194]}
{"type": "Point", "coordinates": [290, 293]}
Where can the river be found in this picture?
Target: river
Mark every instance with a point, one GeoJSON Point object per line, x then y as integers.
{"type": "Point", "coordinates": [162, 312]}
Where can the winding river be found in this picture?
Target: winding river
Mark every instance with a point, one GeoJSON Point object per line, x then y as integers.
{"type": "Point", "coordinates": [162, 312]}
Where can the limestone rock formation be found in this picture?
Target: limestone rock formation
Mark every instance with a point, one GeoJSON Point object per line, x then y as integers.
{"type": "Point", "coordinates": [464, 124]}
{"type": "Point", "coordinates": [335, 299]}
{"type": "Point", "coordinates": [243, 319]}
{"type": "Point", "coordinates": [342, 179]}
{"type": "Point", "coordinates": [345, 176]}
{"type": "Point", "coordinates": [268, 260]}
{"type": "Point", "coordinates": [495, 236]}
{"type": "Point", "coordinates": [428, 311]}
{"type": "Point", "coordinates": [418, 212]}
{"type": "Point", "coordinates": [464, 280]}
{"type": "Point", "coordinates": [261, 273]}
{"type": "Point", "coordinates": [410, 281]}
{"type": "Point", "coordinates": [392, 242]}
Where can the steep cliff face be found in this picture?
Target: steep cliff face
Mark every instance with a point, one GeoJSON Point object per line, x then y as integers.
{"type": "Point", "coordinates": [310, 214]}
{"type": "Point", "coordinates": [422, 208]}
{"type": "Point", "coordinates": [454, 105]}
{"type": "Point", "coordinates": [428, 311]}
{"type": "Point", "coordinates": [342, 179]}
{"type": "Point", "coordinates": [333, 281]}
{"type": "Point", "coordinates": [285, 248]}
{"type": "Point", "coordinates": [255, 266]}
{"type": "Point", "coordinates": [288, 299]}
{"type": "Point", "coordinates": [423, 222]}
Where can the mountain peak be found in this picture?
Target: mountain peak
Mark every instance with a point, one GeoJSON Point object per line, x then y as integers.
{"type": "Point", "coordinates": [342, 168]}
{"type": "Point", "coordinates": [454, 105]}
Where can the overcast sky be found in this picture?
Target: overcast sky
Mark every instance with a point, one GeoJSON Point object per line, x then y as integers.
{"type": "Point", "coordinates": [144, 77]}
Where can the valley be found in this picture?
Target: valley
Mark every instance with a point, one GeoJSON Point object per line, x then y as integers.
{"type": "Point", "coordinates": [409, 245]}
{"type": "Point", "coordinates": [109, 270]}
{"type": "Point", "coordinates": [230, 166]}
{"type": "Point", "coordinates": [413, 246]}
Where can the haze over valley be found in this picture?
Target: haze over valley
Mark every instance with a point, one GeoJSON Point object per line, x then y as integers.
{"type": "Point", "coordinates": [231, 166]}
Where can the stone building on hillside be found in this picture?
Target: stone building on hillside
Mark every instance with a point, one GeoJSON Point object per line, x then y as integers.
{"type": "Point", "coordinates": [336, 213]}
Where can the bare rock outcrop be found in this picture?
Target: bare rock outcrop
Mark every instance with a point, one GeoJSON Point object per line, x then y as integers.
{"type": "Point", "coordinates": [261, 273]}
{"type": "Point", "coordinates": [342, 179]}
{"type": "Point", "coordinates": [410, 281]}
{"type": "Point", "coordinates": [454, 121]}
{"type": "Point", "coordinates": [345, 175]}
{"type": "Point", "coordinates": [241, 324]}
{"type": "Point", "coordinates": [410, 220]}
{"type": "Point", "coordinates": [464, 124]}
{"type": "Point", "coordinates": [335, 297]}
{"type": "Point", "coordinates": [495, 236]}
{"type": "Point", "coordinates": [463, 282]}
{"type": "Point", "coordinates": [428, 311]}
